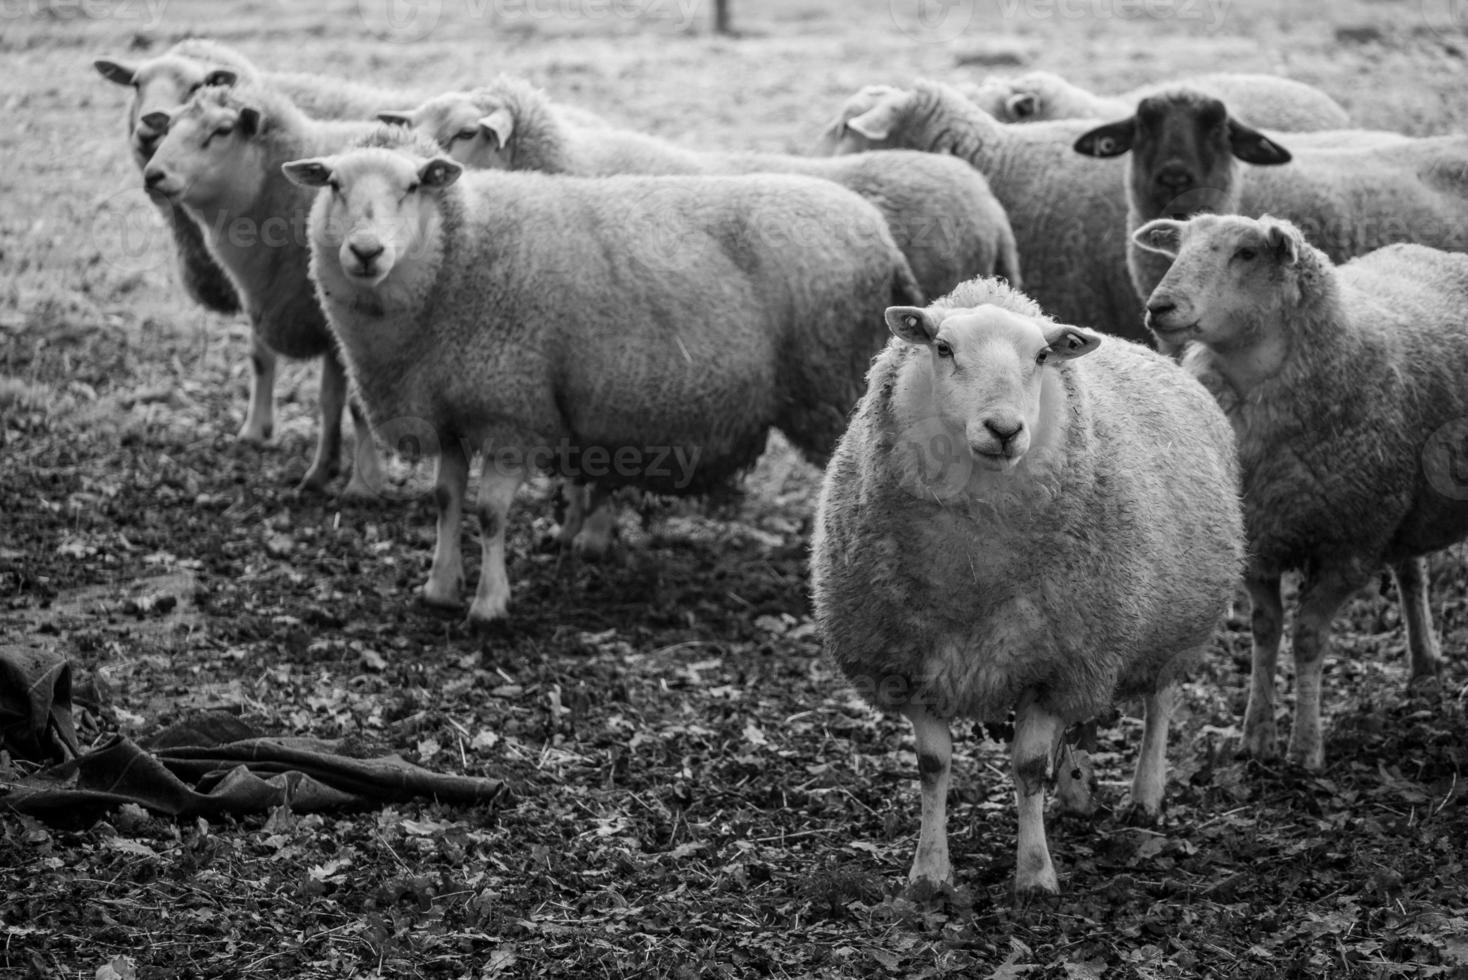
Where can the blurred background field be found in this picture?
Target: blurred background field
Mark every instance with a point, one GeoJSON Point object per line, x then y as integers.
{"type": "Point", "coordinates": [693, 792]}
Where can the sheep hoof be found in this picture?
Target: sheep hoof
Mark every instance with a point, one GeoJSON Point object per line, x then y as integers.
{"type": "Point", "coordinates": [1043, 890]}
{"type": "Point", "coordinates": [1425, 678]}
{"type": "Point", "coordinates": [254, 435]}
{"type": "Point", "coordinates": [1138, 815]}
{"type": "Point", "coordinates": [1311, 757]}
{"type": "Point", "coordinates": [1259, 743]}
{"type": "Point", "coordinates": [359, 491]}
{"type": "Point", "coordinates": [483, 614]}
{"type": "Point", "coordinates": [925, 890]}
{"type": "Point", "coordinates": [592, 547]}
{"type": "Point", "coordinates": [441, 596]}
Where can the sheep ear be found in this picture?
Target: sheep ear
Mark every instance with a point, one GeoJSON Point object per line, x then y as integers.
{"type": "Point", "coordinates": [115, 71]}
{"type": "Point", "coordinates": [1022, 105]}
{"type": "Point", "coordinates": [249, 121]}
{"type": "Point", "coordinates": [1163, 236]}
{"type": "Point", "coordinates": [912, 324]}
{"type": "Point", "coordinates": [499, 124]}
{"type": "Point", "coordinates": [396, 118]}
{"type": "Point", "coordinates": [439, 172]}
{"type": "Point", "coordinates": [222, 76]}
{"type": "Point", "coordinates": [1252, 146]}
{"type": "Point", "coordinates": [308, 173]}
{"type": "Point", "coordinates": [1110, 140]}
{"type": "Point", "coordinates": [1066, 342]}
{"type": "Point", "coordinates": [875, 123]}
{"type": "Point", "coordinates": [1284, 239]}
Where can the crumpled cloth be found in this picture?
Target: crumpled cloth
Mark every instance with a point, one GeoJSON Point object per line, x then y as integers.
{"type": "Point", "coordinates": [207, 767]}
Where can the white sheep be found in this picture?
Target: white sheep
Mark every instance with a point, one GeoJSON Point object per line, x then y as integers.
{"type": "Point", "coordinates": [161, 84]}
{"type": "Point", "coordinates": [942, 214]}
{"type": "Point", "coordinates": [1264, 100]}
{"type": "Point", "coordinates": [1351, 190]}
{"type": "Point", "coordinates": [620, 331]}
{"type": "Point", "coordinates": [1022, 517]}
{"type": "Point", "coordinates": [1346, 388]}
{"type": "Point", "coordinates": [1068, 219]}
{"type": "Point", "coordinates": [220, 160]}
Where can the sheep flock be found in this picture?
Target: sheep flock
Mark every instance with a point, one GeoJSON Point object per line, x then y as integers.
{"type": "Point", "coordinates": [1083, 371]}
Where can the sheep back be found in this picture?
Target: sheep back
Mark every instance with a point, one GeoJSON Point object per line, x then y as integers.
{"type": "Point", "coordinates": [1094, 588]}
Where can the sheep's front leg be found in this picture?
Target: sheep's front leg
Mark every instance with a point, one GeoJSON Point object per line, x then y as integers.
{"type": "Point", "coordinates": [1422, 644]}
{"type": "Point", "coordinates": [1036, 732]}
{"type": "Point", "coordinates": [447, 575]}
{"type": "Point", "coordinates": [260, 416]}
{"type": "Point", "coordinates": [367, 481]}
{"type": "Point", "coordinates": [931, 867]}
{"type": "Point", "coordinates": [1150, 777]}
{"type": "Point", "coordinates": [499, 478]}
{"type": "Point", "coordinates": [329, 439]}
{"type": "Point", "coordinates": [1320, 598]}
{"type": "Point", "coordinates": [1267, 623]}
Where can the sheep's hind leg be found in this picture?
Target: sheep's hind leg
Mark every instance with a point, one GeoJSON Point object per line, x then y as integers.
{"type": "Point", "coordinates": [447, 575]}
{"type": "Point", "coordinates": [324, 464]}
{"type": "Point", "coordinates": [499, 478]}
{"type": "Point", "coordinates": [1320, 598]}
{"type": "Point", "coordinates": [931, 868]}
{"type": "Point", "coordinates": [260, 417]}
{"type": "Point", "coordinates": [598, 532]}
{"type": "Point", "coordinates": [1150, 777]}
{"type": "Point", "coordinates": [1036, 732]}
{"type": "Point", "coordinates": [1422, 644]}
{"type": "Point", "coordinates": [1266, 622]}
{"type": "Point", "coordinates": [367, 482]}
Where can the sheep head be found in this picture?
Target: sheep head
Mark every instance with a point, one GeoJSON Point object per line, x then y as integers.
{"type": "Point", "coordinates": [1230, 276]}
{"type": "Point", "coordinates": [380, 212]}
{"type": "Point", "coordinates": [210, 151]}
{"type": "Point", "coordinates": [160, 85]}
{"type": "Point", "coordinates": [1183, 147]}
{"type": "Point", "coordinates": [989, 368]}
{"type": "Point", "coordinates": [865, 121]}
{"type": "Point", "coordinates": [471, 134]}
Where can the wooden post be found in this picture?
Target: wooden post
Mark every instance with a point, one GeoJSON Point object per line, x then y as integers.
{"type": "Point", "coordinates": [722, 17]}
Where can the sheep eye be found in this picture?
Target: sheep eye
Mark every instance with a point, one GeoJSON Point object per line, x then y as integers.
{"type": "Point", "coordinates": [1247, 254]}
{"type": "Point", "coordinates": [943, 348]}
{"type": "Point", "coordinates": [466, 134]}
{"type": "Point", "coordinates": [413, 187]}
{"type": "Point", "coordinates": [335, 185]}
{"type": "Point", "coordinates": [1043, 356]}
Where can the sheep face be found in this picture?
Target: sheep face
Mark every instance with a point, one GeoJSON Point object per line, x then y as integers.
{"type": "Point", "coordinates": [210, 155]}
{"type": "Point", "coordinates": [1013, 100]}
{"type": "Point", "coordinates": [1228, 274]}
{"type": "Point", "coordinates": [160, 86]}
{"type": "Point", "coordinates": [380, 212]}
{"type": "Point", "coordinates": [469, 134]}
{"type": "Point", "coordinates": [1183, 147]}
{"type": "Point", "coordinates": [987, 367]}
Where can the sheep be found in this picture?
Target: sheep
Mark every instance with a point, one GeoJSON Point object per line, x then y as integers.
{"type": "Point", "coordinates": [942, 213]}
{"type": "Point", "coordinates": [664, 324]}
{"type": "Point", "coordinates": [161, 84]}
{"type": "Point", "coordinates": [1068, 219]}
{"type": "Point", "coordinates": [1344, 385]}
{"type": "Point", "coordinates": [1352, 190]}
{"type": "Point", "coordinates": [1264, 100]}
{"type": "Point", "coordinates": [220, 161]}
{"type": "Point", "coordinates": [1022, 517]}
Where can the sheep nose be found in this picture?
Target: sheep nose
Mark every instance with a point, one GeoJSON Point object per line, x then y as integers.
{"type": "Point", "coordinates": [1004, 429]}
{"type": "Point", "coordinates": [366, 253]}
{"type": "Point", "coordinates": [1175, 178]}
{"type": "Point", "coordinates": [152, 178]}
{"type": "Point", "coordinates": [1160, 307]}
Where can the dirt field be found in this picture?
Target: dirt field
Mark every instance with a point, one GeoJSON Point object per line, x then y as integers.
{"type": "Point", "coordinates": [692, 791]}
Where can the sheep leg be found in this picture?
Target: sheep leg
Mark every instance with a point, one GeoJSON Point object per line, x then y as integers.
{"type": "Point", "coordinates": [447, 575]}
{"type": "Point", "coordinates": [594, 539]}
{"type": "Point", "coordinates": [499, 478]}
{"type": "Point", "coordinates": [1151, 774]}
{"type": "Point", "coordinates": [577, 495]}
{"type": "Point", "coordinates": [934, 742]}
{"type": "Point", "coordinates": [1422, 643]}
{"type": "Point", "coordinates": [1036, 732]}
{"type": "Point", "coordinates": [1267, 623]}
{"type": "Point", "coordinates": [260, 417]}
{"type": "Point", "coordinates": [1320, 598]}
{"type": "Point", "coordinates": [367, 481]}
{"type": "Point", "coordinates": [329, 440]}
